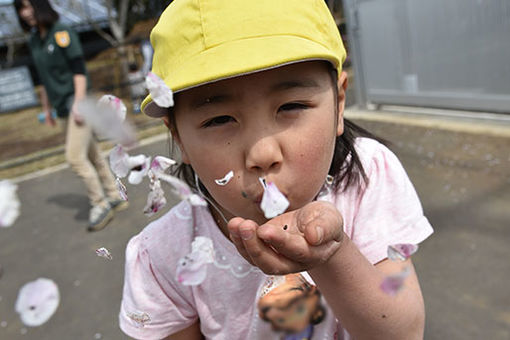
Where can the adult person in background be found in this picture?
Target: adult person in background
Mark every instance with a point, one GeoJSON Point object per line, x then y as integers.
{"type": "Point", "coordinates": [59, 61]}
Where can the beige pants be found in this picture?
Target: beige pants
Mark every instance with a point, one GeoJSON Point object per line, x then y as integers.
{"type": "Point", "coordinates": [84, 157]}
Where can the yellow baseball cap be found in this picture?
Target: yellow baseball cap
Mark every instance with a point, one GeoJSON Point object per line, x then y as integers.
{"type": "Point", "coordinates": [201, 41]}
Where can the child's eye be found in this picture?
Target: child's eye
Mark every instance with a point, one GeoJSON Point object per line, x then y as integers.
{"type": "Point", "coordinates": [216, 121]}
{"type": "Point", "coordinates": [292, 106]}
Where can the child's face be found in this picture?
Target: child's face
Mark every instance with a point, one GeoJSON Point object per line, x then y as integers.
{"type": "Point", "coordinates": [279, 124]}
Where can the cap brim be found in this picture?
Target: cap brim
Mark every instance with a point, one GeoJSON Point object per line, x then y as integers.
{"type": "Point", "coordinates": [241, 57]}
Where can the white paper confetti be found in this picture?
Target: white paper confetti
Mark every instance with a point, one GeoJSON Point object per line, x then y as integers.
{"type": "Point", "coordinates": [160, 164]}
{"type": "Point", "coordinates": [155, 200]}
{"type": "Point", "coordinates": [121, 188]}
{"type": "Point", "coordinates": [224, 181]}
{"type": "Point", "coordinates": [37, 301]}
{"type": "Point", "coordinates": [401, 251]}
{"type": "Point", "coordinates": [140, 165]}
{"type": "Point", "coordinates": [105, 253]}
{"type": "Point", "coordinates": [115, 103]}
{"type": "Point", "coordinates": [106, 122]}
{"type": "Point", "coordinates": [122, 165]}
{"type": "Point", "coordinates": [161, 94]}
{"type": "Point", "coordinates": [9, 203]}
{"type": "Point", "coordinates": [119, 161]}
{"type": "Point", "coordinates": [182, 190]}
{"type": "Point", "coordinates": [273, 201]}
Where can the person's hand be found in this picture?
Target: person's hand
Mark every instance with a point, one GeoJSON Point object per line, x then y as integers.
{"type": "Point", "coordinates": [48, 119]}
{"type": "Point", "coordinates": [292, 242]}
{"type": "Point", "coordinates": [75, 114]}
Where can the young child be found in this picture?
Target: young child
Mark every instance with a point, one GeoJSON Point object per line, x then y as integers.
{"type": "Point", "coordinates": [259, 90]}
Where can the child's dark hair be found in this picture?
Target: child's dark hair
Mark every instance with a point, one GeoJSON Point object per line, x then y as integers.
{"type": "Point", "coordinates": [44, 14]}
{"type": "Point", "coordinates": [346, 167]}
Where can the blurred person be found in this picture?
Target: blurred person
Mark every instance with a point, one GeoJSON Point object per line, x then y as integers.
{"type": "Point", "coordinates": [60, 64]}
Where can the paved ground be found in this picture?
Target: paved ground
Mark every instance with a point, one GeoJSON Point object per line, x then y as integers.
{"type": "Point", "coordinates": [462, 178]}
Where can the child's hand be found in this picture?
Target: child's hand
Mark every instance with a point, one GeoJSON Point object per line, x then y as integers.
{"type": "Point", "coordinates": [292, 242]}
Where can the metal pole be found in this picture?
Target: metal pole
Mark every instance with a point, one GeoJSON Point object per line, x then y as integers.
{"type": "Point", "coordinates": [353, 32]}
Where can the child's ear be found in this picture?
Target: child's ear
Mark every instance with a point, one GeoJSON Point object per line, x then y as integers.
{"type": "Point", "coordinates": [342, 87]}
{"type": "Point", "coordinates": [177, 139]}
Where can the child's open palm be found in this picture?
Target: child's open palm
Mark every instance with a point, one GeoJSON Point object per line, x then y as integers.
{"type": "Point", "coordinates": [292, 242]}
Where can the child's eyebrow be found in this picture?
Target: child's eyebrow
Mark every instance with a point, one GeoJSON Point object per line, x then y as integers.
{"type": "Point", "coordinates": [202, 101]}
{"type": "Point", "coordinates": [290, 84]}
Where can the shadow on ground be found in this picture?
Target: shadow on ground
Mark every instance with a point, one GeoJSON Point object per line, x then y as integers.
{"type": "Point", "coordinates": [72, 201]}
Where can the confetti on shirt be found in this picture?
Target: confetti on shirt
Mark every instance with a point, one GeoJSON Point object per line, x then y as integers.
{"type": "Point", "coordinates": [224, 181]}
{"type": "Point", "coordinates": [37, 301]}
{"type": "Point", "coordinates": [401, 251]}
{"type": "Point", "coordinates": [392, 284]}
{"type": "Point", "coordinates": [9, 203]}
{"type": "Point", "coordinates": [106, 121]}
{"type": "Point", "coordinates": [273, 201]}
{"type": "Point", "coordinates": [161, 94]}
{"type": "Point", "coordinates": [140, 318]}
{"type": "Point", "coordinates": [103, 252]}
{"type": "Point", "coordinates": [192, 268]}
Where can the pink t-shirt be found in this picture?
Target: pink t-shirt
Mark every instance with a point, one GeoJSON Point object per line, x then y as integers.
{"type": "Point", "coordinates": [385, 212]}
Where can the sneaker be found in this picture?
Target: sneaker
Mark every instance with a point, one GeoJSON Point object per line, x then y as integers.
{"type": "Point", "coordinates": [99, 217]}
{"type": "Point", "coordinates": [118, 204]}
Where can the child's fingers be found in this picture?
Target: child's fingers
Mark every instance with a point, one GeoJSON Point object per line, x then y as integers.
{"type": "Point", "coordinates": [295, 247]}
{"type": "Point", "coordinates": [262, 254]}
{"type": "Point", "coordinates": [321, 223]}
{"type": "Point", "coordinates": [233, 228]}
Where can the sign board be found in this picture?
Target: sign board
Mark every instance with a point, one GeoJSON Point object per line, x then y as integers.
{"type": "Point", "coordinates": [16, 89]}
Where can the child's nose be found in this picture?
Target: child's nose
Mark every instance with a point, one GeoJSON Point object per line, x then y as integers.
{"type": "Point", "coordinates": [264, 154]}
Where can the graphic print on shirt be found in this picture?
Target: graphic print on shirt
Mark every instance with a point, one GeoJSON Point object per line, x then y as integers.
{"type": "Point", "coordinates": [291, 305]}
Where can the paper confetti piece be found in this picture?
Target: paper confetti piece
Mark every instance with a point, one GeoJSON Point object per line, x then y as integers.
{"type": "Point", "coordinates": [224, 181]}
{"type": "Point", "coordinates": [9, 203]}
{"type": "Point", "coordinates": [139, 165]}
{"type": "Point", "coordinates": [161, 94]}
{"type": "Point", "coordinates": [106, 121]}
{"type": "Point", "coordinates": [103, 252]}
{"type": "Point", "coordinates": [273, 201]}
{"type": "Point", "coordinates": [182, 190]}
{"type": "Point", "coordinates": [37, 301]}
{"type": "Point", "coordinates": [121, 189]}
{"type": "Point", "coordinates": [115, 103]}
{"type": "Point", "coordinates": [155, 200]}
{"type": "Point", "coordinates": [160, 164]}
{"type": "Point", "coordinates": [401, 251]}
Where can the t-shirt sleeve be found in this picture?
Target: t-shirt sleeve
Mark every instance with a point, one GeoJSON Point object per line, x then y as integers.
{"type": "Point", "coordinates": [152, 306]}
{"type": "Point", "coordinates": [72, 49]}
{"type": "Point", "coordinates": [388, 210]}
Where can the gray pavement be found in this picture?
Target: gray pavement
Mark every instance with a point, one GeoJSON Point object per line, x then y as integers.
{"type": "Point", "coordinates": [461, 173]}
